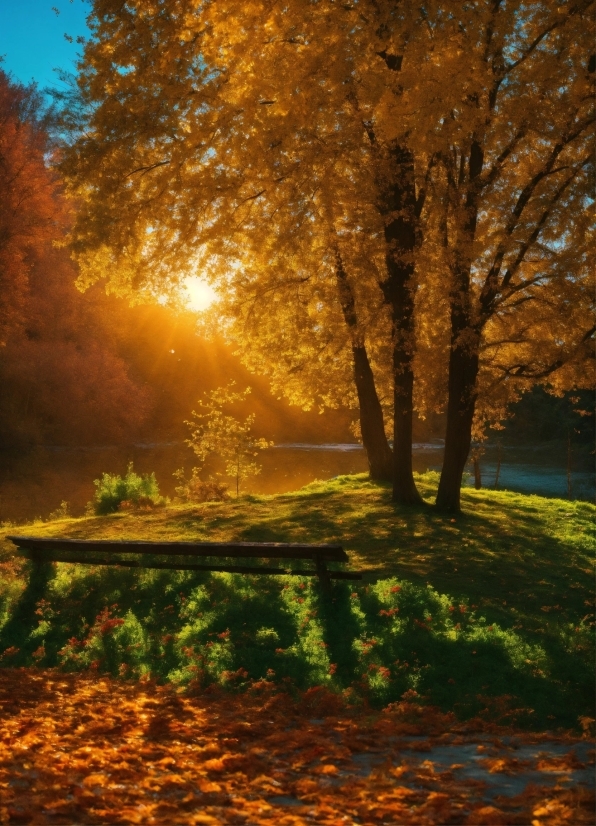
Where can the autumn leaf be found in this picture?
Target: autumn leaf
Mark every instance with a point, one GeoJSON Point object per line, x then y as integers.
{"type": "Point", "coordinates": [328, 769]}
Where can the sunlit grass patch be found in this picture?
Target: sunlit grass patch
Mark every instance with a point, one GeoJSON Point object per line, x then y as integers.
{"type": "Point", "coordinates": [495, 603]}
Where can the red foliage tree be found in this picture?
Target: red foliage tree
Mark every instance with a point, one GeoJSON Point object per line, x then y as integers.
{"type": "Point", "coordinates": [62, 380]}
{"type": "Point", "coordinates": [30, 214]}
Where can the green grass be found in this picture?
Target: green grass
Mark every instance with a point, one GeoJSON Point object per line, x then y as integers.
{"type": "Point", "coordinates": [508, 588]}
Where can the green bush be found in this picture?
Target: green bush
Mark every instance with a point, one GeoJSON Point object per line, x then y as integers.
{"type": "Point", "coordinates": [122, 493]}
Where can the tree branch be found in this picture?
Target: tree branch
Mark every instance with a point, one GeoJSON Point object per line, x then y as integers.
{"type": "Point", "coordinates": [533, 237]}
{"type": "Point", "coordinates": [145, 169]}
{"type": "Point", "coordinates": [578, 8]}
{"type": "Point", "coordinates": [491, 285]}
{"type": "Point", "coordinates": [423, 191]}
{"type": "Point", "coordinates": [492, 173]}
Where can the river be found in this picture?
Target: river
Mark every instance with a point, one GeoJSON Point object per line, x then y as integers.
{"type": "Point", "coordinates": [34, 485]}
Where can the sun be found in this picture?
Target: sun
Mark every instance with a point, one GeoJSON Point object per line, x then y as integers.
{"type": "Point", "coordinates": [198, 294]}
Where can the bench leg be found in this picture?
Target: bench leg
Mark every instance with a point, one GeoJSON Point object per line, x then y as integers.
{"type": "Point", "coordinates": [323, 573]}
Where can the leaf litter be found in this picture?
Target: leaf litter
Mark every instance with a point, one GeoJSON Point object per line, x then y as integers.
{"type": "Point", "coordinates": [83, 749]}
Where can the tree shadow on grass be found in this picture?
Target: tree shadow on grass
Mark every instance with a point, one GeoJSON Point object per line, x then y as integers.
{"type": "Point", "coordinates": [288, 629]}
{"type": "Point", "coordinates": [16, 633]}
{"type": "Point", "coordinates": [244, 628]}
{"type": "Point", "coordinates": [477, 557]}
{"type": "Point", "coordinates": [468, 675]}
{"type": "Point", "coordinates": [340, 630]}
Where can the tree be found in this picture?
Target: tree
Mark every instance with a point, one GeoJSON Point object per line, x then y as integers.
{"type": "Point", "coordinates": [216, 432]}
{"type": "Point", "coordinates": [511, 127]}
{"type": "Point", "coordinates": [391, 134]}
{"type": "Point", "coordinates": [302, 305]}
{"type": "Point", "coordinates": [372, 425]}
{"type": "Point", "coordinates": [146, 171]}
{"type": "Point", "coordinates": [29, 211]}
{"type": "Point", "coordinates": [486, 165]}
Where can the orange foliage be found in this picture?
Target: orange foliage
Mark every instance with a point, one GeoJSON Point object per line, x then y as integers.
{"type": "Point", "coordinates": [74, 749]}
{"type": "Point", "coordinates": [28, 211]}
{"type": "Point", "coordinates": [62, 379]}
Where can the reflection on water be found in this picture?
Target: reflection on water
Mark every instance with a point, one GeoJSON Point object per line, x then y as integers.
{"type": "Point", "coordinates": [35, 485]}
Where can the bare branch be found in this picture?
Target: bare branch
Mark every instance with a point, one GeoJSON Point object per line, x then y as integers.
{"type": "Point", "coordinates": [253, 197]}
{"type": "Point", "coordinates": [533, 237]}
{"type": "Point", "coordinates": [491, 285]}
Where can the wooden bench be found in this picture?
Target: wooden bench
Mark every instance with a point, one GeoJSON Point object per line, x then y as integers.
{"type": "Point", "coordinates": [112, 552]}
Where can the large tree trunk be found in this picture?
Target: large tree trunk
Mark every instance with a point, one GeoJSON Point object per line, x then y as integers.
{"type": "Point", "coordinates": [463, 359]}
{"type": "Point", "coordinates": [400, 209]}
{"type": "Point", "coordinates": [372, 426]}
{"type": "Point", "coordinates": [463, 370]}
{"type": "Point", "coordinates": [404, 489]}
{"type": "Point", "coordinates": [401, 235]}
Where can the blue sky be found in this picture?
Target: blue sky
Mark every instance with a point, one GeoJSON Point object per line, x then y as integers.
{"type": "Point", "coordinates": [32, 40]}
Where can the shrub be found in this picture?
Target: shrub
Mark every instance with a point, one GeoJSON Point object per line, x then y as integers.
{"type": "Point", "coordinates": [134, 490]}
{"type": "Point", "coordinates": [63, 512]}
{"type": "Point", "coordinates": [196, 490]}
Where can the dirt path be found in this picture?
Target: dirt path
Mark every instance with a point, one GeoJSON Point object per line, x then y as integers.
{"type": "Point", "coordinates": [78, 749]}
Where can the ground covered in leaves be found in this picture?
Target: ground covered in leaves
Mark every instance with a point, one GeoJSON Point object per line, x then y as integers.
{"type": "Point", "coordinates": [93, 750]}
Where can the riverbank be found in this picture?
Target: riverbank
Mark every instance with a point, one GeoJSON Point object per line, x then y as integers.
{"type": "Point", "coordinates": [35, 483]}
{"type": "Point", "coordinates": [489, 613]}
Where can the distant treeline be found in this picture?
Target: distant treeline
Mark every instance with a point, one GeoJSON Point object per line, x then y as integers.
{"type": "Point", "coordinates": [541, 417]}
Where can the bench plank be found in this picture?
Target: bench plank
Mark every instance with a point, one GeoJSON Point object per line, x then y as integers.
{"type": "Point", "coordinates": [56, 549]}
{"type": "Point", "coordinates": [262, 550]}
{"type": "Point", "coordinates": [181, 566]}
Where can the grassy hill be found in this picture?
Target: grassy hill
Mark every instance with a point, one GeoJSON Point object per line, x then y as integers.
{"type": "Point", "coordinates": [489, 613]}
